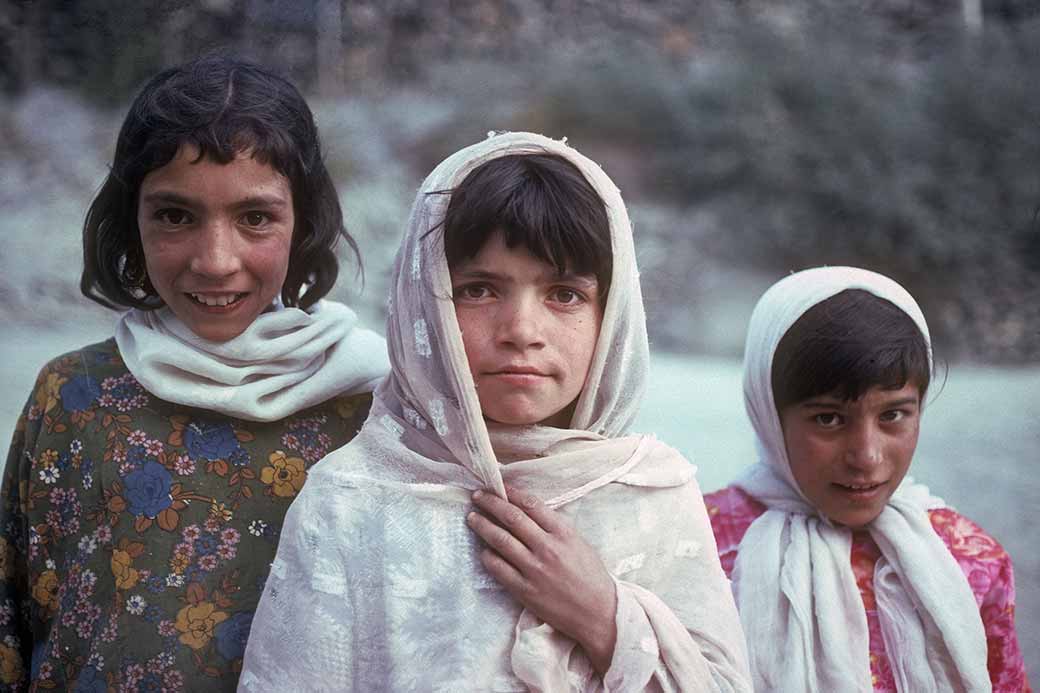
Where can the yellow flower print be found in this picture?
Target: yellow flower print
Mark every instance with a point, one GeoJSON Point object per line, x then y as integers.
{"type": "Point", "coordinates": [47, 396]}
{"type": "Point", "coordinates": [10, 665]}
{"type": "Point", "coordinates": [179, 563]}
{"type": "Point", "coordinates": [220, 512]}
{"type": "Point", "coordinates": [285, 476]}
{"type": "Point", "coordinates": [196, 623]}
{"type": "Point", "coordinates": [126, 575]}
{"type": "Point", "coordinates": [47, 459]}
{"type": "Point", "coordinates": [45, 591]}
{"type": "Point", "coordinates": [6, 558]}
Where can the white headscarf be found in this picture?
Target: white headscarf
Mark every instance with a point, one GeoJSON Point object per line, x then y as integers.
{"type": "Point", "coordinates": [795, 589]}
{"type": "Point", "coordinates": [427, 446]}
{"type": "Point", "coordinates": [287, 360]}
{"type": "Point", "coordinates": [431, 384]}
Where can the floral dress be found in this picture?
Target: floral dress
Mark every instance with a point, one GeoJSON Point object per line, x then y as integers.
{"type": "Point", "coordinates": [984, 562]}
{"type": "Point", "coordinates": [137, 534]}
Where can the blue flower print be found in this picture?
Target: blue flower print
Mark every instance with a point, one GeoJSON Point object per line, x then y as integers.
{"type": "Point", "coordinates": [150, 683]}
{"type": "Point", "coordinates": [79, 393]}
{"type": "Point", "coordinates": [232, 634]}
{"type": "Point", "coordinates": [90, 681]}
{"type": "Point", "coordinates": [210, 441]}
{"type": "Point", "coordinates": [206, 544]}
{"type": "Point", "coordinates": [148, 489]}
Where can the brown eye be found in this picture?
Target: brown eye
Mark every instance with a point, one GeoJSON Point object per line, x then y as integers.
{"type": "Point", "coordinates": [567, 297]}
{"type": "Point", "coordinates": [173, 216]}
{"type": "Point", "coordinates": [254, 218]}
{"type": "Point", "coordinates": [472, 292]}
{"type": "Point", "coordinates": [828, 420]}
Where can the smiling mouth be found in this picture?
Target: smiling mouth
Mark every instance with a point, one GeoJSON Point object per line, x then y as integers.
{"type": "Point", "coordinates": [860, 488]}
{"type": "Point", "coordinates": [216, 300]}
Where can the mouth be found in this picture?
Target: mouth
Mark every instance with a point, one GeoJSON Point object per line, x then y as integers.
{"type": "Point", "coordinates": [216, 300]}
{"type": "Point", "coordinates": [860, 491]}
{"type": "Point", "coordinates": [520, 370]}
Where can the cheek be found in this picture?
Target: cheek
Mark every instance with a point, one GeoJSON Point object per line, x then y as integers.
{"type": "Point", "coordinates": [808, 460]}
{"type": "Point", "coordinates": [474, 329]}
{"type": "Point", "coordinates": [162, 261]}
{"type": "Point", "coordinates": [270, 261]}
{"type": "Point", "coordinates": [580, 340]}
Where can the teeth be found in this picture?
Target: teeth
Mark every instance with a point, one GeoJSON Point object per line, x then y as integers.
{"type": "Point", "coordinates": [216, 300]}
{"type": "Point", "coordinates": [855, 487]}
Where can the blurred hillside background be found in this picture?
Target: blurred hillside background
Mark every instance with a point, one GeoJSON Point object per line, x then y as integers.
{"type": "Point", "coordinates": [750, 138]}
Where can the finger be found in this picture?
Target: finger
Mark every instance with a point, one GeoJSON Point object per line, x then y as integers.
{"type": "Point", "coordinates": [511, 517]}
{"type": "Point", "coordinates": [498, 538]}
{"type": "Point", "coordinates": [505, 574]}
{"type": "Point", "coordinates": [545, 517]}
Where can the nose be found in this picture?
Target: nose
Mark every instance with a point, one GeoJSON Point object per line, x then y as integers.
{"type": "Point", "coordinates": [864, 445]}
{"type": "Point", "coordinates": [520, 326]}
{"type": "Point", "coordinates": [216, 252]}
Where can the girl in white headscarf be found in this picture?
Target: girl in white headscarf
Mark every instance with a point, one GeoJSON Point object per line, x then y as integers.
{"type": "Point", "coordinates": [393, 574]}
{"type": "Point", "coordinates": [836, 368]}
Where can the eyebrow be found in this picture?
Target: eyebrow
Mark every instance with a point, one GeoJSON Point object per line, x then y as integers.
{"type": "Point", "coordinates": [172, 198]}
{"type": "Point", "coordinates": [588, 280]}
{"type": "Point", "coordinates": [831, 403]}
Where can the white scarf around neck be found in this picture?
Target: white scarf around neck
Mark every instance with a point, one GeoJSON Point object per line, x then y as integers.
{"type": "Point", "coordinates": [287, 360]}
{"type": "Point", "coordinates": [793, 581]}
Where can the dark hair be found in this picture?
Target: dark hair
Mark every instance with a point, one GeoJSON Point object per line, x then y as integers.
{"type": "Point", "coordinates": [225, 107]}
{"type": "Point", "coordinates": [844, 346]}
{"type": "Point", "coordinates": [539, 201]}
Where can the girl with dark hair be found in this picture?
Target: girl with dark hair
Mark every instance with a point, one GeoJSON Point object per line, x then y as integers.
{"type": "Point", "coordinates": [494, 526]}
{"type": "Point", "coordinates": [149, 474]}
{"type": "Point", "coordinates": [848, 575]}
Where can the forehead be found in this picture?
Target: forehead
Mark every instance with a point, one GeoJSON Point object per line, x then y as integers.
{"type": "Point", "coordinates": [188, 172]}
{"type": "Point", "coordinates": [875, 396]}
{"type": "Point", "coordinates": [515, 263]}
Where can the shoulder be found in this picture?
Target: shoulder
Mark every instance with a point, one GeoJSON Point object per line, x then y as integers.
{"type": "Point", "coordinates": [732, 503]}
{"type": "Point", "coordinates": [731, 511]}
{"type": "Point", "coordinates": [964, 537]}
{"type": "Point", "coordinates": [981, 557]}
{"type": "Point", "coordinates": [72, 382]}
{"type": "Point", "coordinates": [85, 359]}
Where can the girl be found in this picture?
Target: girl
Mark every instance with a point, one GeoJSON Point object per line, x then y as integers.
{"type": "Point", "coordinates": [519, 351]}
{"type": "Point", "coordinates": [149, 474]}
{"type": "Point", "coordinates": [849, 576]}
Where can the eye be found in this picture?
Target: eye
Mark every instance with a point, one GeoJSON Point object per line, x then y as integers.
{"type": "Point", "coordinates": [255, 218]}
{"type": "Point", "coordinates": [173, 216]}
{"type": "Point", "coordinates": [472, 292]}
{"type": "Point", "coordinates": [828, 419]}
{"type": "Point", "coordinates": [894, 415]}
{"type": "Point", "coordinates": [567, 296]}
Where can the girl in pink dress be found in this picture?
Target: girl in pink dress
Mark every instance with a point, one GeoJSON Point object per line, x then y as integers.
{"type": "Point", "coordinates": [848, 575]}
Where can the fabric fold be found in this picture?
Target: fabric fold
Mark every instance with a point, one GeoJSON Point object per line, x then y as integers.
{"type": "Point", "coordinates": [287, 360]}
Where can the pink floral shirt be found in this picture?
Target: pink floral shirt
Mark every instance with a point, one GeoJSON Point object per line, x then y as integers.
{"type": "Point", "coordinates": [984, 562]}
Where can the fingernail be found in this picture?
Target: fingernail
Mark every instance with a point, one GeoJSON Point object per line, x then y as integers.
{"type": "Point", "coordinates": [477, 495]}
{"type": "Point", "coordinates": [471, 517]}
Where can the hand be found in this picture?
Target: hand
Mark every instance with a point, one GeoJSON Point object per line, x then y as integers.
{"type": "Point", "coordinates": [539, 558]}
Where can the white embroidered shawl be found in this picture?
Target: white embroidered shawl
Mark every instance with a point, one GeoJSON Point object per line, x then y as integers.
{"type": "Point", "coordinates": [799, 603]}
{"type": "Point", "coordinates": [377, 584]}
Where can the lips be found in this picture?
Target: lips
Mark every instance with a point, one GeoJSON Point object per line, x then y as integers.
{"type": "Point", "coordinates": [519, 370]}
{"type": "Point", "coordinates": [860, 491]}
{"type": "Point", "coordinates": [860, 487]}
{"type": "Point", "coordinates": [216, 300]}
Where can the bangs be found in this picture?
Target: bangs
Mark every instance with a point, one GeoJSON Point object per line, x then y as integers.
{"type": "Point", "coordinates": [539, 202]}
{"type": "Point", "coordinates": [845, 346]}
